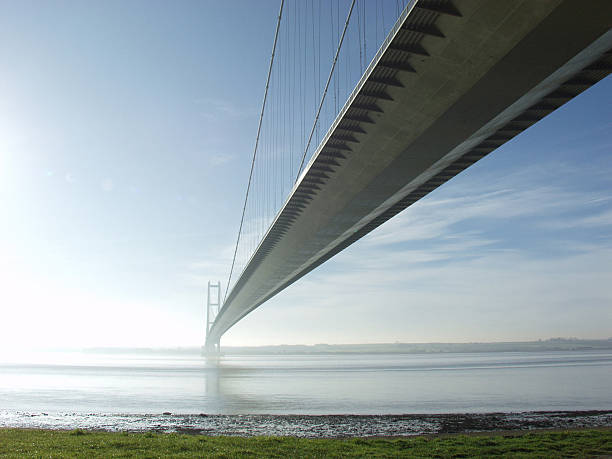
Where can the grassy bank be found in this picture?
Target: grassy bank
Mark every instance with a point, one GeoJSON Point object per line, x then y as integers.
{"type": "Point", "coordinates": [52, 443]}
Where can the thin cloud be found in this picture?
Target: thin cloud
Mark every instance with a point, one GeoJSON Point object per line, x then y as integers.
{"type": "Point", "coordinates": [513, 196]}
{"type": "Point", "coordinates": [107, 185]}
{"type": "Point", "coordinates": [600, 219]}
{"type": "Point", "coordinates": [214, 266]}
{"type": "Point", "coordinates": [220, 159]}
{"type": "Point", "coordinates": [220, 108]}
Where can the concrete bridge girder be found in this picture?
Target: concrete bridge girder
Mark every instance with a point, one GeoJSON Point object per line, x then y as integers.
{"type": "Point", "coordinates": [471, 89]}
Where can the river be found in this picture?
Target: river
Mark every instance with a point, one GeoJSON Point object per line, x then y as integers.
{"type": "Point", "coordinates": [133, 391]}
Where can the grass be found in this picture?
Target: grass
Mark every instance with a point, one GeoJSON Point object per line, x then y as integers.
{"type": "Point", "coordinates": [20, 443]}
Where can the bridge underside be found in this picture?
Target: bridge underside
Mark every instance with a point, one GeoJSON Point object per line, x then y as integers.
{"type": "Point", "coordinates": [453, 81]}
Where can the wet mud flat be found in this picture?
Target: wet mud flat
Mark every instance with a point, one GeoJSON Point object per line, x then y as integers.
{"type": "Point", "coordinates": [314, 426]}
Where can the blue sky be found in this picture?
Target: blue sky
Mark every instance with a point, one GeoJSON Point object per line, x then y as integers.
{"type": "Point", "coordinates": [126, 131]}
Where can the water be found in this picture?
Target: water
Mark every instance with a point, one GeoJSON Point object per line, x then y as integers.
{"type": "Point", "coordinates": [94, 390]}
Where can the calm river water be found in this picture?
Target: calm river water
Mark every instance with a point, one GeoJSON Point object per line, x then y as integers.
{"type": "Point", "coordinates": [119, 391]}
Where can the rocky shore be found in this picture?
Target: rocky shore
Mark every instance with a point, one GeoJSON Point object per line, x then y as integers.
{"type": "Point", "coordinates": [331, 426]}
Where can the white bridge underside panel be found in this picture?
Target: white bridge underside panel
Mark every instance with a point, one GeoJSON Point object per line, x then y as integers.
{"type": "Point", "coordinates": [454, 81]}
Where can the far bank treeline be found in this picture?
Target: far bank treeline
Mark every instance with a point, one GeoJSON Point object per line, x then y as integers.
{"type": "Point", "coordinates": [555, 344]}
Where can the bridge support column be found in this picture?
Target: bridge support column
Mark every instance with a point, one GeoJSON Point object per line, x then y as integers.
{"type": "Point", "coordinates": [212, 348]}
{"type": "Point", "coordinates": [213, 304]}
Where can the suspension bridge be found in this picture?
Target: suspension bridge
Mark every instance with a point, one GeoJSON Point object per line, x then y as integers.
{"type": "Point", "coordinates": [369, 105]}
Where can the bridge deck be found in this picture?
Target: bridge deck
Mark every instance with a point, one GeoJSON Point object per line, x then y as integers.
{"type": "Point", "coordinates": [453, 81]}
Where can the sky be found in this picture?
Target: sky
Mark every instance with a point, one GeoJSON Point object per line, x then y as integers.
{"type": "Point", "coordinates": [126, 132]}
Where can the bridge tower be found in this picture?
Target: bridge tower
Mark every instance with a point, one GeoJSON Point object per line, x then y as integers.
{"type": "Point", "coordinates": [213, 304]}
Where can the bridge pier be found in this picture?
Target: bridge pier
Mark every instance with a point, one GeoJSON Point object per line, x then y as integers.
{"type": "Point", "coordinates": [213, 305]}
{"type": "Point", "coordinates": [211, 349]}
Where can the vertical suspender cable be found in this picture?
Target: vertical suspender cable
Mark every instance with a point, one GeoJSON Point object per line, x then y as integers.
{"type": "Point", "coordinates": [365, 47]}
{"type": "Point", "coordinates": [333, 35]}
{"type": "Point", "coordinates": [263, 107]}
{"type": "Point", "coordinates": [331, 73]}
{"type": "Point", "coordinates": [359, 38]}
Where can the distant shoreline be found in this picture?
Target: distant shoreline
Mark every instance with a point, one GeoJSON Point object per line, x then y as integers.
{"type": "Point", "coordinates": [554, 344]}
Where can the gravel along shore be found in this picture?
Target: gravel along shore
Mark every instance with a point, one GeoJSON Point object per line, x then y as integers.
{"type": "Point", "coordinates": [331, 426]}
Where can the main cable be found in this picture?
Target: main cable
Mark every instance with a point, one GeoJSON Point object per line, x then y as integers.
{"type": "Point", "coordinates": [263, 107]}
{"type": "Point", "coordinates": [331, 73]}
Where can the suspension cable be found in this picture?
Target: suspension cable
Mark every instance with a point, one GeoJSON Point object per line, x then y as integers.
{"type": "Point", "coordinates": [263, 107]}
{"type": "Point", "coordinates": [348, 18]}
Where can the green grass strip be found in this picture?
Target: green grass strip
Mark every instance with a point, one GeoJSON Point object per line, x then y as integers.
{"type": "Point", "coordinates": [23, 443]}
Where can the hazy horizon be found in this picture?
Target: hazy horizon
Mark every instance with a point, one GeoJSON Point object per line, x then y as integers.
{"type": "Point", "coordinates": [198, 348]}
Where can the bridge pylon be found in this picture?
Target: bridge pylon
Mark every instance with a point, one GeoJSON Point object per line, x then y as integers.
{"type": "Point", "coordinates": [213, 305]}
